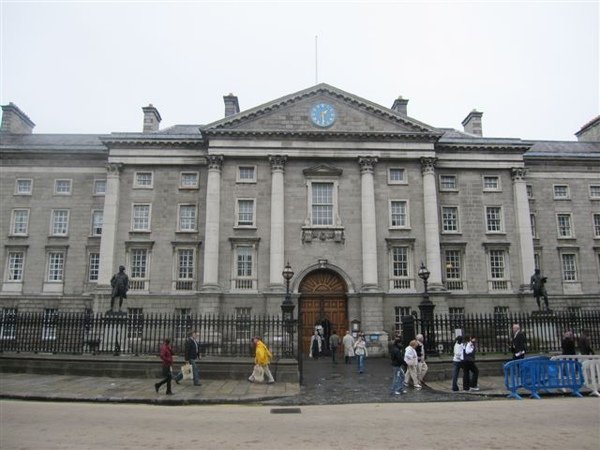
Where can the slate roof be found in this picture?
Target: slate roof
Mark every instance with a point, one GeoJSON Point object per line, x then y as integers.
{"type": "Point", "coordinates": [557, 149]}
{"type": "Point", "coordinates": [52, 142]}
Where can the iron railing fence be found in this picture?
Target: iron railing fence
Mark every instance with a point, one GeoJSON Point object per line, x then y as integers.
{"type": "Point", "coordinates": [142, 334]}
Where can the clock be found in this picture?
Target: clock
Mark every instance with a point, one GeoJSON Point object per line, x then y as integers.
{"type": "Point", "coordinates": [322, 115]}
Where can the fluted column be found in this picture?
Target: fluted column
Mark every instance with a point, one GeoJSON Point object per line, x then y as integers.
{"type": "Point", "coordinates": [211, 238]}
{"type": "Point", "coordinates": [277, 257]}
{"type": "Point", "coordinates": [432, 231]}
{"type": "Point", "coordinates": [109, 224]}
{"type": "Point", "coordinates": [368, 221]}
{"type": "Point", "coordinates": [523, 219]}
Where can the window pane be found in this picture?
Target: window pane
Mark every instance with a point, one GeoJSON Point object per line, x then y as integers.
{"type": "Point", "coordinates": [490, 183]}
{"type": "Point", "coordinates": [97, 222]}
{"type": "Point", "coordinates": [63, 186]}
{"type": "Point", "coordinates": [493, 218]}
{"type": "Point", "coordinates": [453, 267]}
{"type": "Point", "coordinates": [15, 266]}
{"type": "Point", "coordinates": [138, 263]}
{"type": "Point", "coordinates": [189, 179]}
{"type": "Point", "coordinates": [448, 182]}
{"type": "Point", "coordinates": [143, 178]}
{"type": "Point", "coordinates": [564, 225]}
{"type": "Point", "coordinates": [595, 190]}
{"type": "Point", "coordinates": [187, 217]}
{"type": "Point", "coordinates": [497, 264]}
{"type": "Point", "coordinates": [561, 191]}
{"type": "Point", "coordinates": [396, 175]}
{"type": "Point", "coordinates": [597, 225]}
{"type": "Point", "coordinates": [23, 186]}
{"type": "Point", "coordinates": [21, 220]}
{"type": "Point", "coordinates": [56, 262]}
{"type": "Point", "coordinates": [322, 203]}
{"type": "Point", "coordinates": [569, 267]}
{"type": "Point", "coordinates": [245, 212]}
{"type": "Point", "coordinates": [450, 219]}
{"type": "Point", "coordinates": [60, 222]}
{"type": "Point", "coordinates": [400, 262]}
{"type": "Point", "coordinates": [244, 262]}
{"type": "Point", "coordinates": [246, 173]}
{"type": "Point", "coordinates": [100, 187]}
{"type": "Point", "coordinates": [185, 258]}
{"type": "Point", "coordinates": [141, 215]}
{"type": "Point", "coordinates": [398, 214]}
{"type": "Point", "coordinates": [94, 266]}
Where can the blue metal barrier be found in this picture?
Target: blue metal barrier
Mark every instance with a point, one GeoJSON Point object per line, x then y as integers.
{"type": "Point", "coordinates": [516, 373]}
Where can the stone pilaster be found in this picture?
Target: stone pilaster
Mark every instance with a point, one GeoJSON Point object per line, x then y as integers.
{"type": "Point", "coordinates": [277, 257]}
{"type": "Point", "coordinates": [432, 231]}
{"type": "Point", "coordinates": [108, 266]}
{"type": "Point", "coordinates": [523, 219]}
{"type": "Point", "coordinates": [368, 221]}
{"type": "Point", "coordinates": [211, 238]}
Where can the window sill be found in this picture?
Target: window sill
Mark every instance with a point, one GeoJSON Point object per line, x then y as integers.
{"type": "Point", "coordinates": [244, 227]}
{"type": "Point", "coordinates": [400, 228]}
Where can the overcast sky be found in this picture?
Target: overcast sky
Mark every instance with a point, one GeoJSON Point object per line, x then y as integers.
{"type": "Point", "coordinates": [89, 67]}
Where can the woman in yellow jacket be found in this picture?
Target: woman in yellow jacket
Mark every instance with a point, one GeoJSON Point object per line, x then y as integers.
{"type": "Point", "coordinates": [262, 359]}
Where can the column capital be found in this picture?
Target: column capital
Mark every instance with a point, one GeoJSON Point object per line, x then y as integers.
{"type": "Point", "coordinates": [518, 174]}
{"type": "Point", "coordinates": [277, 162]}
{"type": "Point", "coordinates": [215, 162]}
{"type": "Point", "coordinates": [367, 164]}
{"type": "Point", "coordinates": [114, 168]}
{"type": "Point", "coordinates": [428, 165]}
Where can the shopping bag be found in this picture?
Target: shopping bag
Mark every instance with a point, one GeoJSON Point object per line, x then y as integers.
{"type": "Point", "coordinates": [259, 373]}
{"type": "Point", "coordinates": [186, 371]}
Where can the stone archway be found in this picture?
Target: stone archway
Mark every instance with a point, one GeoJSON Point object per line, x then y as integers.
{"type": "Point", "coordinates": [322, 300]}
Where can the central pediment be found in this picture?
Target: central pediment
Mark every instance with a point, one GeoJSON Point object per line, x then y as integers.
{"type": "Point", "coordinates": [320, 111]}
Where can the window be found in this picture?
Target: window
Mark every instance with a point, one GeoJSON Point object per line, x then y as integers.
{"type": "Point", "coordinates": [596, 220]}
{"type": "Point", "coordinates": [243, 325]}
{"type": "Point", "coordinates": [244, 268]}
{"type": "Point", "coordinates": [99, 187]}
{"type": "Point", "coordinates": [56, 264]}
{"type": "Point", "coordinates": [498, 270]}
{"type": "Point", "coordinates": [246, 174]}
{"type": "Point", "coordinates": [453, 265]}
{"type": "Point", "coordinates": [188, 180]}
{"type": "Point", "coordinates": [135, 322]}
{"type": "Point", "coordinates": [187, 218]}
{"type": "Point", "coordinates": [501, 311]}
{"type": "Point", "coordinates": [594, 190]}
{"type": "Point", "coordinates": [448, 183]}
{"type": "Point", "coordinates": [20, 222]}
{"type": "Point", "coordinates": [245, 213]}
{"type": "Point", "coordinates": [23, 186]}
{"type": "Point", "coordinates": [322, 204]}
{"type": "Point", "coordinates": [569, 267]}
{"type": "Point", "coordinates": [183, 322]}
{"type": "Point", "coordinates": [533, 228]}
{"type": "Point", "coordinates": [139, 269]}
{"type": "Point", "coordinates": [456, 312]}
{"type": "Point", "coordinates": [565, 229]}
{"type": "Point", "coordinates": [93, 266]}
{"type": "Point", "coordinates": [185, 269]}
{"type": "Point", "coordinates": [491, 183]}
{"type": "Point", "coordinates": [16, 263]}
{"type": "Point", "coordinates": [561, 192]}
{"type": "Point", "coordinates": [97, 221]}
{"type": "Point", "coordinates": [143, 180]}
{"type": "Point", "coordinates": [493, 219]}
{"type": "Point", "coordinates": [60, 222]}
{"type": "Point", "coordinates": [141, 217]}
{"type": "Point", "coordinates": [62, 187]}
{"type": "Point", "coordinates": [529, 191]}
{"type": "Point", "coordinates": [400, 278]}
{"type": "Point", "coordinates": [450, 219]}
{"type": "Point", "coordinates": [399, 312]}
{"type": "Point", "coordinates": [9, 323]}
{"type": "Point", "coordinates": [49, 324]}
{"type": "Point", "coordinates": [396, 176]}
{"type": "Point", "coordinates": [399, 214]}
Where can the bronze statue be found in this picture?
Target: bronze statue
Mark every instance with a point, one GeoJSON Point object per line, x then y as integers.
{"type": "Point", "coordinates": [120, 286]}
{"type": "Point", "coordinates": [539, 289]}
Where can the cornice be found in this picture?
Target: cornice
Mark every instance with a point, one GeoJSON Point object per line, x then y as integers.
{"type": "Point", "coordinates": [151, 141]}
{"type": "Point", "coordinates": [323, 135]}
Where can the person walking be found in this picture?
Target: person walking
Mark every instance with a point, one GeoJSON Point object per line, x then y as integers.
{"type": "Point", "coordinates": [262, 358]}
{"type": "Point", "coordinates": [360, 350]}
{"type": "Point", "coordinates": [568, 343]}
{"type": "Point", "coordinates": [166, 356]}
{"type": "Point", "coordinates": [585, 348]}
{"type": "Point", "coordinates": [457, 361]}
{"type": "Point", "coordinates": [191, 355]}
{"type": "Point", "coordinates": [334, 343]}
{"type": "Point", "coordinates": [398, 364]}
{"type": "Point", "coordinates": [316, 345]}
{"type": "Point", "coordinates": [519, 342]}
{"type": "Point", "coordinates": [348, 343]}
{"type": "Point", "coordinates": [411, 359]}
{"type": "Point", "coordinates": [470, 370]}
{"type": "Point", "coordinates": [421, 364]}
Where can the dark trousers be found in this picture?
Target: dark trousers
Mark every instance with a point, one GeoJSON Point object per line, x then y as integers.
{"type": "Point", "coordinates": [470, 374]}
{"type": "Point", "coordinates": [333, 352]}
{"type": "Point", "coordinates": [456, 366]}
{"type": "Point", "coordinates": [166, 371]}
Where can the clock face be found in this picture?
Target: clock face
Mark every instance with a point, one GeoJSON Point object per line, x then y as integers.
{"type": "Point", "coordinates": [322, 115]}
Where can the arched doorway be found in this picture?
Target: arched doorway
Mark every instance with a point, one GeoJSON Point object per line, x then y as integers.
{"type": "Point", "coordinates": [322, 301]}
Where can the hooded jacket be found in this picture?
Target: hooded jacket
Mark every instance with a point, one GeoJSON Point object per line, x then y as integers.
{"type": "Point", "coordinates": [263, 355]}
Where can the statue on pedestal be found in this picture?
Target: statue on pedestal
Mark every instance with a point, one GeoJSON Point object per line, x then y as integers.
{"type": "Point", "coordinates": [538, 287]}
{"type": "Point", "coordinates": [120, 286]}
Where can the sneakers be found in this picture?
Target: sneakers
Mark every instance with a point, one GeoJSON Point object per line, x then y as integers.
{"type": "Point", "coordinates": [403, 391]}
{"type": "Point", "coordinates": [474, 389]}
{"type": "Point", "coordinates": [418, 387]}
{"type": "Point", "coordinates": [156, 386]}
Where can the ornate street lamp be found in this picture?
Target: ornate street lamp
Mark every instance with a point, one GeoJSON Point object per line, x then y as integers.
{"type": "Point", "coordinates": [287, 309]}
{"type": "Point", "coordinates": [424, 275]}
{"type": "Point", "coordinates": [426, 308]}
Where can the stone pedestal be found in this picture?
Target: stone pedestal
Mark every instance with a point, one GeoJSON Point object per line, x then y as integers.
{"type": "Point", "coordinates": [114, 337]}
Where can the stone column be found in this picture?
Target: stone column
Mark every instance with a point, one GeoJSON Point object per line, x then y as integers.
{"type": "Point", "coordinates": [432, 231]}
{"type": "Point", "coordinates": [522, 215]}
{"type": "Point", "coordinates": [109, 224]}
{"type": "Point", "coordinates": [368, 221]}
{"type": "Point", "coordinates": [211, 237]}
{"type": "Point", "coordinates": [277, 257]}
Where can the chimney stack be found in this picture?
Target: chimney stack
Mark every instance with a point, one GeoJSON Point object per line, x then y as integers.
{"type": "Point", "coordinates": [400, 106]}
{"type": "Point", "coordinates": [151, 118]}
{"type": "Point", "coordinates": [231, 105]}
{"type": "Point", "coordinates": [472, 123]}
{"type": "Point", "coordinates": [15, 121]}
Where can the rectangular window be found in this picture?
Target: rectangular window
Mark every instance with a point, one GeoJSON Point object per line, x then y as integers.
{"type": "Point", "coordinates": [99, 187]}
{"type": "Point", "coordinates": [449, 219]}
{"type": "Point", "coordinates": [398, 214]}
{"type": "Point", "coordinates": [189, 180]}
{"type": "Point", "coordinates": [493, 219]}
{"type": "Point", "coordinates": [49, 324]}
{"type": "Point", "coordinates": [569, 267]}
{"type": "Point", "coordinates": [183, 322]}
{"type": "Point", "coordinates": [143, 180]}
{"type": "Point", "coordinates": [456, 312]}
{"type": "Point", "coordinates": [56, 265]}
{"type": "Point", "coordinates": [322, 204]}
{"type": "Point", "coordinates": [594, 190]}
{"type": "Point", "coordinates": [97, 222]}
{"type": "Point", "coordinates": [24, 186]}
{"type": "Point", "coordinates": [533, 228]}
{"type": "Point", "coordinates": [16, 263]}
{"type": "Point", "coordinates": [498, 275]}
{"type": "Point", "coordinates": [60, 222]}
{"type": "Point", "coordinates": [448, 182]}
{"type": "Point", "coordinates": [9, 323]}
{"type": "Point", "coordinates": [596, 220]}
{"type": "Point", "coordinates": [396, 176]}
{"type": "Point", "coordinates": [500, 311]}
{"type": "Point", "coordinates": [491, 183]}
{"type": "Point", "coordinates": [400, 276]}
{"type": "Point", "coordinates": [62, 187]}
{"type": "Point", "coordinates": [244, 267]}
{"type": "Point", "coordinates": [135, 323]}
{"type": "Point", "coordinates": [529, 191]}
{"type": "Point", "coordinates": [20, 222]}
{"type": "Point", "coordinates": [187, 218]}
{"type": "Point", "coordinates": [185, 269]}
{"type": "Point", "coordinates": [565, 229]}
{"type": "Point", "coordinates": [245, 212]}
{"type": "Point", "coordinates": [453, 270]}
{"type": "Point", "coordinates": [246, 174]}
{"type": "Point", "coordinates": [399, 312]}
{"type": "Point", "coordinates": [93, 266]}
{"type": "Point", "coordinates": [139, 262]}
{"type": "Point", "coordinates": [561, 192]}
{"type": "Point", "coordinates": [141, 218]}
{"type": "Point", "coordinates": [243, 326]}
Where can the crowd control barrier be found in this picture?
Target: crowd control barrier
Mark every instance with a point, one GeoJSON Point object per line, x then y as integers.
{"type": "Point", "coordinates": [590, 365]}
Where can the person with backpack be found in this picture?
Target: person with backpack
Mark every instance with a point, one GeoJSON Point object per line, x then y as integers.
{"type": "Point", "coordinates": [470, 370]}
{"type": "Point", "coordinates": [398, 367]}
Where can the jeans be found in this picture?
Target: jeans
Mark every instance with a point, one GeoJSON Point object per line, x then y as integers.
{"type": "Point", "coordinates": [361, 363]}
{"type": "Point", "coordinates": [456, 366]}
{"type": "Point", "coordinates": [166, 372]}
{"type": "Point", "coordinates": [468, 380]}
{"type": "Point", "coordinates": [398, 379]}
{"type": "Point", "coordinates": [195, 371]}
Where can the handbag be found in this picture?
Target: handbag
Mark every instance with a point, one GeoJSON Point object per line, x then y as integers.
{"type": "Point", "coordinates": [186, 371]}
{"type": "Point", "coordinates": [258, 374]}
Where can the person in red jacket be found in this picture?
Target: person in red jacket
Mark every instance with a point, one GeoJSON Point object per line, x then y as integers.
{"type": "Point", "coordinates": [166, 356]}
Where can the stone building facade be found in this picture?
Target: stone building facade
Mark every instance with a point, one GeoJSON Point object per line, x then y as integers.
{"type": "Point", "coordinates": [352, 194]}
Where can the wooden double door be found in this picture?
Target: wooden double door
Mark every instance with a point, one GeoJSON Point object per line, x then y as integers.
{"type": "Point", "coordinates": [323, 301]}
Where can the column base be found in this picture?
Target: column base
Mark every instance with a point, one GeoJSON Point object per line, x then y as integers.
{"type": "Point", "coordinates": [276, 288]}
{"type": "Point", "coordinates": [211, 288]}
{"type": "Point", "coordinates": [370, 288]}
{"type": "Point", "coordinates": [436, 287]}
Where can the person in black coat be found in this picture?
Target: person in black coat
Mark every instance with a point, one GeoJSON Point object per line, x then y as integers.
{"type": "Point", "coordinates": [398, 367]}
{"type": "Point", "coordinates": [191, 355]}
{"type": "Point", "coordinates": [519, 342]}
{"type": "Point", "coordinates": [568, 343]}
{"type": "Point", "coordinates": [584, 343]}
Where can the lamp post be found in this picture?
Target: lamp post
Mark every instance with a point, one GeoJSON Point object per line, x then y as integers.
{"type": "Point", "coordinates": [426, 307]}
{"type": "Point", "coordinates": [287, 311]}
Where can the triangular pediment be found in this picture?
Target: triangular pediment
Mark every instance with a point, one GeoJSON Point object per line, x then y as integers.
{"type": "Point", "coordinates": [294, 114]}
{"type": "Point", "coordinates": [322, 170]}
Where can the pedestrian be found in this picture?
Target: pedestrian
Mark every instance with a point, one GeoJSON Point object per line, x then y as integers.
{"type": "Point", "coordinates": [348, 343]}
{"type": "Point", "coordinates": [262, 359]}
{"type": "Point", "coordinates": [360, 350]}
{"type": "Point", "coordinates": [166, 356]}
{"type": "Point", "coordinates": [568, 343]}
{"type": "Point", "coordinates": [585, 348]}
{"type": "Point", "coordinates": [421, 364]}
{"type": "Point", "coordinates": [334, 343]}
{"type": "Point", "coordinates": [398, 366]}
{"type": "Point", "coordinates": [411, 359]}
{"type": "Point", "coordinates": [470, 370]}
{"type": "Point", "coordinates": [316, 345]}
{"type": "Point", "coordinates": [191, 355]}
{"type": "Point", "coordinates": [457, 361]}
{"type": "Point", "coordinates": [519, 342]}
